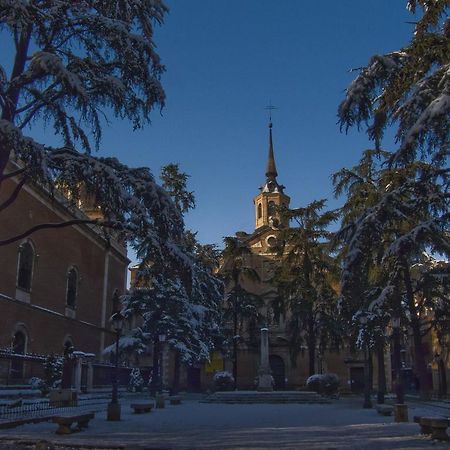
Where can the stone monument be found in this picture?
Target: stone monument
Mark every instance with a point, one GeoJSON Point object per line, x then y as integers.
{"type": "Point", "coordinates": [265, 379]}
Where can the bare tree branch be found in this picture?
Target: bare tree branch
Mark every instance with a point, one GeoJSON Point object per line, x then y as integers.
{"type": "Point", "coordinates": [13, 174]}
{"type": "Point", "coordinates": [13, 195]}
{"type": "Point", "coordinates": [67, 223]}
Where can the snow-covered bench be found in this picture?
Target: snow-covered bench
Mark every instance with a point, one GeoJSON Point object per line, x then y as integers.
{"type": "Point", "coordinates": [436, 426]}
{"type": "Point", "coordinates": [384, 410]}
{"type": "Point", "coordinates": [142, 407]}
{"type": "Point", "coordinates": [65, 422]}
{"type": "Point", "coordinates": [175, 399]}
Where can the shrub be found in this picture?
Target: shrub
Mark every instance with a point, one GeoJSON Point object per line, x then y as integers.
{"type": "Point", "coordinates": [39, 383]}
{"type": "Point", "coordinates": [53, 369]}
{"type": "Point", "coordinates": [223, 381]}
{"type": "Point", "coordinates": [325, 384]}
{"type": "Point", "coordinates": [136, 383]}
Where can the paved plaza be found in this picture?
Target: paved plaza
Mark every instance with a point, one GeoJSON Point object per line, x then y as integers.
{"type": "Point", "coordinates": [343, 424]}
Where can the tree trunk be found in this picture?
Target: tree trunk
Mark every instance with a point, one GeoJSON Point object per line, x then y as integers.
{"type": "Point", "coordinates": [311, 341]}
{"type": "Point", "coordinates": [235, 330]}
{"type": "Point", "coordinates": [381, 373]}
{"type": "Point", "coordinates": [176, 373]}
{"type": "Point", "coordinates": [370, 367]}
{"type": "Point", "coordinates": [155, 368]}
{"type": "Point", "coordinates": [419, 357]}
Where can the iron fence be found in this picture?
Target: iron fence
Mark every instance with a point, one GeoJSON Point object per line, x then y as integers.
{"type": "Point", "coordinates": [30, 409]}
{"type": "Point", "coordinates": [17, 369]}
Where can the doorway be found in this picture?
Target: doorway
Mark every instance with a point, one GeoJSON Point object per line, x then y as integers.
{"type": "Point", "coordinates": [278, 372]}
{"type": "Point", "coordinates": [357, 379]}
{"type": "Point", "coordinates": [193, 379]}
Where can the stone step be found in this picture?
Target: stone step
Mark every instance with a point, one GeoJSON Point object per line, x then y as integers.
{"type": "Point", "coordinates": [265, 397]}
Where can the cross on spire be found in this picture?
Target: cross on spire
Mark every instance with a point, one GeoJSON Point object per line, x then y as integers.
{"type": "Point", "coordinates": [270, 108]}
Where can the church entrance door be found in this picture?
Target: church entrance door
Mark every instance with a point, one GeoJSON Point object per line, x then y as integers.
{"type": "Point", "coordinates": [278, 372]}
{"type": "Point", "coordinates": [193, 379]}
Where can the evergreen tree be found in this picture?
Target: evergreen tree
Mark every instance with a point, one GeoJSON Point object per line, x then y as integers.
{"type": "Point", "coordinates": [242, 308]}
{"type": "Point", "coordinates": [407, 89]}
{"type": "Point", "coordinates": [181, 301]}
{"type": "Point", "coordinates": [306, 282]}
{"type": "Point", "coordinates": [74, 64]}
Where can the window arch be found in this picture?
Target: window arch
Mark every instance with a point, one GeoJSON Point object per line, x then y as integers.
{"type": "Point", "coordinates": [25, 266]}
{"type": "Point", "coordinates": [72, 287]}
{"type": "Point", "coordinates": [259, 210]}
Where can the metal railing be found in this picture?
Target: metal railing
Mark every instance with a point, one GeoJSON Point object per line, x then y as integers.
{"type": "Point", "coordinates": [30, 409]}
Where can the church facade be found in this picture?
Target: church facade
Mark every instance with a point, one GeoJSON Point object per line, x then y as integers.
{"type": "Point", "coordinates": [263, 258]}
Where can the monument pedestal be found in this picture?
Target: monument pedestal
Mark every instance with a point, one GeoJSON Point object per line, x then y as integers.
{"type": "Point", "coordinates": [265, 383]}
{"type": "Point", "coordinates": [265, 380]}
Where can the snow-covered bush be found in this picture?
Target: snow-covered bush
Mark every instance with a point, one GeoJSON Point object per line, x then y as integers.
{"type": "Point", "coordinates": [223, 381]}
{"type": "Point", "coordinates": [53, 368]}
{"type": "Point", "coordinates": [326, 383]}
{"type": "Point", "coordinates": [38, 383]}
{"type": "Point", "coordinates": [136, 383]}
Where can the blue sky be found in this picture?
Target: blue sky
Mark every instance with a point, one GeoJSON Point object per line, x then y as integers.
{"type": "Point", "coordinates": [225, 61]}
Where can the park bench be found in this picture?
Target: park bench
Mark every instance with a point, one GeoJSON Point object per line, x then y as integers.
{"type": "Point", "coordinates": [175, 399]}
{"type": "Point", "coordinates": [384, 410]}
{"type": "Point", "coordinates": [65, 422]}
{"type": "Point", "coordinates": [142, 407]}
{"type": "Point", "coordinates": [436, 426]}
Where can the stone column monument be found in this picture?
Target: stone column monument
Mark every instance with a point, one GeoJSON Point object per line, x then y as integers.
{"type": "Point", "coordinates": [264, 373]}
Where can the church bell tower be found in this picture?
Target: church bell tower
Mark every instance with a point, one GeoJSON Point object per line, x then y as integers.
{"type": "Point", "coordinates": [271, 195]}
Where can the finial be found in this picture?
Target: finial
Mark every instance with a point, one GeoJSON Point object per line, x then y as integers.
{"type": "Point", "coordinates": [270, 108]}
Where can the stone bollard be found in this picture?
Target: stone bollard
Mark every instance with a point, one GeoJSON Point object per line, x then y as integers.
{"type": "Point", "coordinates": [401, 412]}
{"type": "Point", "coordinates": [160, 401]}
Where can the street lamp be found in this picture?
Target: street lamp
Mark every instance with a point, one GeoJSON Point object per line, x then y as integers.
{"type": "Point", "coordinates": [367, 388]}
{"type": "Point", "coordinates": [114, 406]}
{"type": "Point", "coordinates": [162, 339]}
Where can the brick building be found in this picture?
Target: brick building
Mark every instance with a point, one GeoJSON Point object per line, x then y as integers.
{"type": "Point", "coordinates": [55, 285]}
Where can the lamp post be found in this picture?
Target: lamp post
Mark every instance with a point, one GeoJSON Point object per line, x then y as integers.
{"type": "Point", "coordinates": [161, 339]}
{"type": "Point", "coordinates": [367, 388]}
{"type": "Point", "coordinates": [113, 413]}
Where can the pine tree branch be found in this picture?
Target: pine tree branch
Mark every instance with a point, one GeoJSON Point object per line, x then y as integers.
{"type": "Point", "coordinates": [67, 223]}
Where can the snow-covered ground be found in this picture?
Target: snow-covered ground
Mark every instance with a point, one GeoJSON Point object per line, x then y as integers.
{"type": "Point", "coordinates": [193, 425]}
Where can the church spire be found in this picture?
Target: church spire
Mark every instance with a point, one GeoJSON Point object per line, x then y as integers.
{"type": "Point", "coordinates": [271, 195]}
{"type": "Point", "coordinates": [271, 172]}
{"type": "Point", "coordinates": [271, 184]}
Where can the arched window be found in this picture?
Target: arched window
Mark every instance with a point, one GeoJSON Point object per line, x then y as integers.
{"type": "Point", "coordinates": [25, 266]}
{"type": "Point", "coordinates": [18, 347]}
{"type": "Point", "coordinates": [259, 210]}
{"type": "Point", "coordinates": [72, 287]}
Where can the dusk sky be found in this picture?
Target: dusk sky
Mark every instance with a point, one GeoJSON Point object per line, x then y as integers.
{"type": "Point", "coordinates": [225, 61]}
